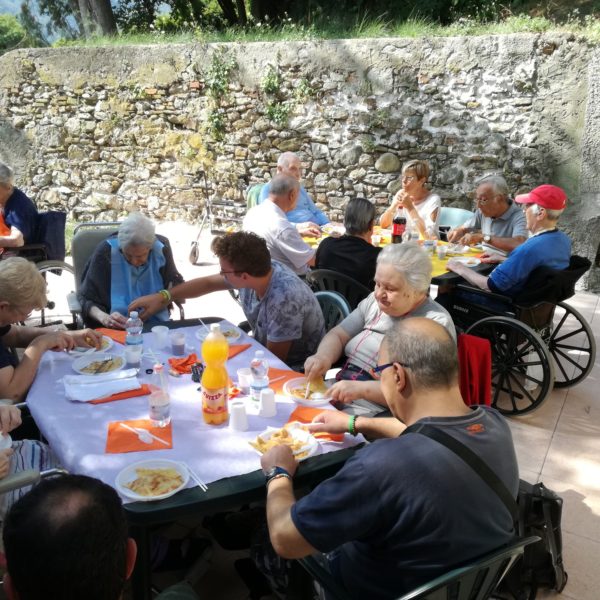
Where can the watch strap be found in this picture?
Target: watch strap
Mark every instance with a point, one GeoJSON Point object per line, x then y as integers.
{"type": "Point", "coordinates": [276, 472]}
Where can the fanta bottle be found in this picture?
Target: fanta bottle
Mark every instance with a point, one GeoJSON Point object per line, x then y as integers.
{"type": "Point", "coordinates": [215, 379]}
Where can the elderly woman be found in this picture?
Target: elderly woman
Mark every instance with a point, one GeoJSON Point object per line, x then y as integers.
{"type": "Point", "coordinates": [129, 264]}
{"type": "Point", "coordinates": [418, 204]}
{"type": "Point", "coordinates": [401, 291]}
{"type": "Point", "coordinates": [22, 290]}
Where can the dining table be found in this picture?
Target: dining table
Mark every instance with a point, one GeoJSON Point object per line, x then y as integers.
{"type": "Point", "coordinates": [221, 457]}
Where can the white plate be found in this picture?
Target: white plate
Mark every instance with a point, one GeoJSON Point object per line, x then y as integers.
{"type": "Point", "coordinates": [469, 262]}
{"type": "Point", "coordinates": [107, 344]}
{"type": "Point", "coordinates": [310, 445]}
{"type": "Point", "coordinates": [297, 382]}
{"type": "Point", "coordinates": [231, 333]}
{"type": "Point", "coordinates": [128, 474]}
{"type": "Point", "coordinates": [333, 230]}
{"type": "Point", "coordinates": [83, 361]}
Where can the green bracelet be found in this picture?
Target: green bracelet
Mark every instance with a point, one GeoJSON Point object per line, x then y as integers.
{"type": "Point", "coordinates": [352, 425]}
{"type": "Point", "coordinates": [166, 296]}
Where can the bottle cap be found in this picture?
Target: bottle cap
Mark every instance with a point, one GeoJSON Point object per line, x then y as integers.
{"type": "Point", "coordinates": [215, 327]}
{"type": "Point", "coordinates": [133, 314]}
{"type": "Point", "coordinates": [158, 367]}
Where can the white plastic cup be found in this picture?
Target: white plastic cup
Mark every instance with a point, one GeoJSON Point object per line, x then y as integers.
{"type": "Point", "coordinates": [375, 239]}
{"type": "Point", "coordinates": [429, 246]}
{"type": "Point", "coordinates": [267, 403]}
{"type": "Point", "coordinates": [133, 355]}
{"type": "Point", "coordinates": [441, 252]}
{"type": "Point", "coordinates": [161, 335]}
{"type": "Point", "coordinates": [244, 380]}
{"type": "Point", "coordinates": [238, 421]}
{"type": "Point", "coordinates": [177, 343]}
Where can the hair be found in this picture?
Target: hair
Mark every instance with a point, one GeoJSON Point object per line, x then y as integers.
{"type": "Point", "coordinates": [432, 359]}
{"type": "Point", "coordinates": [411, 261]}
{"type": "Point", "coordinates": [498, 183]}
{"type": "Point", "coordinates": [67, 539]}
{"type": "Point", "coordinates": [6, 175]}
{"type": "Point", "coordinates": [246, 251]}
{"type": "Point", "coordinates": [21, 284]}
{"type": "Point", "coordinates": [551, 213]}
{"type": "Point", "coordinates": [286, 158]}
{"type": "Point", "coordinates": [359, 216]}
{"type": "Point", "coordinates": [136, 230]}
{"type": "Point", "coordinates": [282, 184]}
{"type": "Point", "coordinates": [419, 167]}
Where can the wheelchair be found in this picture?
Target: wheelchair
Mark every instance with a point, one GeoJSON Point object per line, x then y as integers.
{"type": "Point", "coordinates": [538, 341]}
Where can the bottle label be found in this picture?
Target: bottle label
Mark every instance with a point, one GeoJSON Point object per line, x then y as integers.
{"type": "Point", "coordinates": [398, 228]}
{"type": "Point", "coordinates": [214, 401]}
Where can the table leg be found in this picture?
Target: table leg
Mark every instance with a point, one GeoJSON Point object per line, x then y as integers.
{"type": "Point", "coordinates": [141, 579]}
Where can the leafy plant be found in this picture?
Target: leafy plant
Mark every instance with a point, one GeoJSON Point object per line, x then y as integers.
{"type": "Point", "coordinates": [272, 82]}
{"type": "Point", "coordinates": [216, 124]}
{"type": "Point", "coordinates": [279, 112]}
{"type": "Point", "coordinates": [217, 76]}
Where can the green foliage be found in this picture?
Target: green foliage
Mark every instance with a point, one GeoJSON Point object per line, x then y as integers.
{"type": "Point", "coordinates": [304, 90]}
{"type": "Point", "coordinates": [279, 112]}
{"type": "Point", "coordinates": [216, 123]}
{"type": "Point", "coordinates": [217, 75]}
{"type": "Point", "coordinates": [272, 82]}
{"type": "Point", "coordinates": [12, 33]}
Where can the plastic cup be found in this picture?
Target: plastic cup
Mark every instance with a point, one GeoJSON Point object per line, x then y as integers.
{"type": "Point", "coordinates": [267, 403]}
{"type": "Point", "coordinates": [161, 335]}
{"type": "Point", "coordinates": [441, 252]}
{"type": "Point", "coordinates": [133, 355]}
{"type": "Point", "coordinates": [376, 239]}
{"type": "Point", "coordinates": [429, 246]}
{"type": "Point", "coordinates": [177, 343]}
{"type": "Point", "coordinates": [238, 421]}
{"type": "Point", "coordinates": [244, 379]}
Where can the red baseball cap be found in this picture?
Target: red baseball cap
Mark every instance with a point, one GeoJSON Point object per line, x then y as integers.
{"type": "Point", "coordinates": [548, 196]}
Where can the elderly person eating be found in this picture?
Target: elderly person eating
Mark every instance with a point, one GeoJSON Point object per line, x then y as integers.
{"type": "Point", "coordinates": [133, 262]}
{"type": "Point", "coordinates": [402, 282]}
{"type": "Point", "coordinates": [23, 289]}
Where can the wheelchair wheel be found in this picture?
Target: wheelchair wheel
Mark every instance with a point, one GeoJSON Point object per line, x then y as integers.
{"type": "Point", "coordinates": [572, 345]}
{"type": "Point", "coordinates": [522, 368]}
{"type": "Point", "coordinates": [194, 253]}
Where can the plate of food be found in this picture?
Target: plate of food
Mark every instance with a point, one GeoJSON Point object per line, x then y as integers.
{"type": "Point", "coordinates": [231, 333]}
{"type": "Point", "coordinates": [107, 344]}
{"type": "Point", "coordinates": [333, 230]}
{"type": "Point", "coordinates": [302, 443]}
{"type": "Point", "coordinates": [469, 262]}
{"type": "Point", "coordinates": [153, 479]}
{"type": "Point", "coordinates": [296, 389]}
{"type": "Point", "coordinates": [97, 363]}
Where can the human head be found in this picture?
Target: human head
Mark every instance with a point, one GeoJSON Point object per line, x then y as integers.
{"type": "Point", "coordinates": [549, 197]}
{"type": "Point", "coordinates": [414, 175]}
{"type": "Point", "coordinates": [284, 191]}
{"type": "Point", "coordinates": [402, 278]}
{"type": "Point", "coordinates": [242, 254]}
{"type": "Point", "coordinates": [136, 237]}
{"type": "Point", "coordinates": [424, 358]}
{"type": "Point", "coordinates": [359, 216]}
{"type": "Point", "coordinates": [7, 178]}
{"type": "Point", "coordinates": [288, 163]}
{"type": "Point", "coordinates": [491, 195]}
{"type": "Point", "coordinates": [22, 289]}
{"type": "Point", "coordinates": [67, 539]}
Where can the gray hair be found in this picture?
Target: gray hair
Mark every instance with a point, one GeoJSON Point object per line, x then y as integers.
{"type": "Point", "coordinates": [411, 261]}
{"type": "Point", "coordinates": [551, 213]}
{"type": "Point", "coordinates": [359, 216]}
{"type": "Point", "coordinates": [285, 159]}
{"type": "Point", "coordinates": [498, 183]}
{"type": "Point", "coordinates": [282, 184]}
{"type": "Point", "coordinates": [7, 175]}
{"type": "Point", "coordinates": [432, 360]}
{"type": "Point", "coordinates": [136, 230]}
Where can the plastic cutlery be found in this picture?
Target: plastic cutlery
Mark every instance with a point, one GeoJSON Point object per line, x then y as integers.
{"type": "Point", "coordinates": [144, 435]}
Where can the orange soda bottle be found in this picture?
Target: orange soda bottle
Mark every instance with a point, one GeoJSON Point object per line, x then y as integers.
{"type": "Point", "coordinates": [215, 379]}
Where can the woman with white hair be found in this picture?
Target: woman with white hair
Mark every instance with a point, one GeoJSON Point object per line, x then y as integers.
{"type": "Point", "coordinates": [133, 262]}
{"type": "Point", "coordinates": [402, 280]}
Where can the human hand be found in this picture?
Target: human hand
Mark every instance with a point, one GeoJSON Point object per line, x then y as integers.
{"type": "Point", "coordinates": [345, 391]}
{"type": "Point", "coordinates": [471, 238]}
{"type": "Point", "coordinates": [308, 229]}
{"type": "Point", "coordinates": [492, 258]}
{"type": "Point", "coordinates": [330, 421]}
{"type": "Point", "coordinates": [10, 417]}
{"type": "Point", "coordinates": [148, 305]}
{"type": "Point", "coordinates": [456, 267]}
{"type": "Point", "coordinates": [398, 200]}
{"type": "Point", "coordinates": [455, 234]}
{"type": "Point", "coordinates": [316, 366]}
{"type": "Point", "coordinates": [87, 338]}
{"type": "Point", "coordinates": [55, 341]}
{"type": "Point", "coordinates": [114, 321]}
{"type": "Point", "coordinates": [279, 456]}
{"type": "Point", "coordinates": [407, 203]}
{"type": "Point", "coordinates": [5, 462]}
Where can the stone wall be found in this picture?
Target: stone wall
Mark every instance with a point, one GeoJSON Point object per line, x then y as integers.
{"type": "Point", "coordinates": [103, 131]}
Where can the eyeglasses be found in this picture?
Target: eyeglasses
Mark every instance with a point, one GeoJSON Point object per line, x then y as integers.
{"type": "Point", "coordinates": [408, 178]}
{"type": "Point", "coordinates": [221, 272]}
{"type": "Point", "coordinates": [379, 368]}
{"type": "Point", "coordinates": [483, 200]}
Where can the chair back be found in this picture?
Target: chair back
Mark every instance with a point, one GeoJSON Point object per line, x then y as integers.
{"type": "Point", "coordinates": [334, 306]}
{"type": "Point", "coordinates": [51, 233]}
{"type": "Point", "coordinates": [324, 280]}
{"type": "Point", "coordinates": [253, 194]}
{"type": "Point", "coordinates": [86, 238]}
{"type": "Point", "coordinates": [475, 369]}
{"type": "Point", "coordinates": [451, 216]}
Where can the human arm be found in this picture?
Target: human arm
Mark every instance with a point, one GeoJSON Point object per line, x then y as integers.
{"type": "Point", "coordinates": [14, 239]}
{"type": "Point", "coordinates": [424, 216]}
{"type": "Point", "coordinates": [114, 320]}
{"type": "Point", "coordinates": [492, 258]}
{"type": "Point", "coordinates": [476, 279]}
{"type": "Point", "coordinates": [94, 291]}
{"type": "Point", "coordinates": [5, 462]}
{"type": "Point", "coordinates": [335, 421]}
{"type": "Point", "coordinates": [308, 229]}
{"type": "Point", "coordinates": [295, 249]}
{"type": "Point", "coordinates": [502, 243]}
{"type": "Point", "coordinates": [10, 418]}
{"type": "Point", "coordinates": [347, 391]}
{"type": "Point", "coordinates": [387, 217]}
{"type": "Point", "coordinates": [330, 349]}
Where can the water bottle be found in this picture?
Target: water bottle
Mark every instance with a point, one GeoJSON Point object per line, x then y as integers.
{"type": "Point", "coordinates": [160, 400]}
{"type": "Point", "coordinates": [133, 329]}
{"type": "Point", "coordinates": [259, 368]}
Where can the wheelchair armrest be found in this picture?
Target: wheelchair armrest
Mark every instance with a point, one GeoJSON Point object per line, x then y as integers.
{"type": "Point", "coordinates": [19, 480]}
{"type": "Point", "coordinates": [73, 302]}
{"type": "Point", "coordinates": [485, 293]}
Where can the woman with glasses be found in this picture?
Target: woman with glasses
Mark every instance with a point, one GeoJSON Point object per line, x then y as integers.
{"type": "Point", "coordinates": [131, 263]}
{"type": "Point", "coordinates": [415, 201]}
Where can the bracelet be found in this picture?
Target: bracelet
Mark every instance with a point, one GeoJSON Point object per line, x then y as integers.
{"type": "Point", "coordinates": [166, 296]}
{"type": "Point", "coordinates": [352, 425]}
{"type": "Point", "coordinates": [279, 476]}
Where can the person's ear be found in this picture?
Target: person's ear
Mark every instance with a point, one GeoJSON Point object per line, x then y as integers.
{"type": "Point", "coordinates": [9, 588]}
{"type": "Point", "coordinates": [130, 556]}
{"type": "Point", "coordinates": [400, 379]}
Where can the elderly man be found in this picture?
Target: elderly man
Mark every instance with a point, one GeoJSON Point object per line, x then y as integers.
{"type": "Point", "coordinates": [497, 222]}
{"type": "Point", "coordinates": [269, 221]}
{"type": "Point", "coordinates": [547, 246]}
{"type": "Point", "coordinates": [306, 216]}
{"type": "Point", "coordinates": [394, 516]}
{"type": "Point", "coordinates": [281, 309]}
{"type": "Point", "coordinates": [18, 214]}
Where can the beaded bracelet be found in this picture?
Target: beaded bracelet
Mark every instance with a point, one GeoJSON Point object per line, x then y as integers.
{"type": "Point", "coordinates": [166, 296]}
{"type": "Point", "coordinates": [352, 425]}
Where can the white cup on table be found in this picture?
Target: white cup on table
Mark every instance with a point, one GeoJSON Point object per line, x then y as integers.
{"type": "Point", "coordinates": [244, 377]}
{"type": "Point", "coordinates": [133, 355]}
{"type": "Point", "coordinates": [238, 421]}
{"type": "Point", "coordinates": [161, 335]}
{"type": "Point", "coordinates": [177, 343]}
{"type": "Point", "coordinates": [267, 403]}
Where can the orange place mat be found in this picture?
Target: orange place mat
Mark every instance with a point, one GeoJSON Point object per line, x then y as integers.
{"type": "Point", "coordinates": [143, 391]}
{"type": "Point", "coordinates": [183, 365]}
{"type": "Point", "coordinates": [237, 349]}
{"type": "Point", "coordinates": [305, 414]}
{"type": "Point", "coordinates": [114, 334]}
{"type": "Point", "coordinates": [122, 440]}
{"type": "Point", "coordinates": [285, 375]}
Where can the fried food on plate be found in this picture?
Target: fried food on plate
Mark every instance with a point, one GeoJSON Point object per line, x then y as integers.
{"type": "Point", "coordinates": [155, 482]}
{"type": "Point", "coordinates": [277, 438]}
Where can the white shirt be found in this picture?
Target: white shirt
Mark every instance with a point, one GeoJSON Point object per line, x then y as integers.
{"type": "Point", "coordinates": [425, 209]}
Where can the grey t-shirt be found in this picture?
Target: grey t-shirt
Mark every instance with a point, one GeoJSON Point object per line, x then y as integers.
{"type": "Point", "coordinates": [511, 224]}
{"type": "Point", "coordinates": [367, 325]}
{"type": "Point", "coordinates": [287, 311]}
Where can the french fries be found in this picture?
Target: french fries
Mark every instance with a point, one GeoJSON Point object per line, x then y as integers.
{"type": "Point", "coordinates": [155, 482]}
{"type": "Point", "coordinates": [279, 437]}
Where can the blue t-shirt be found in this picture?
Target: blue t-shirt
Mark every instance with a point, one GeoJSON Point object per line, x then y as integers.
{"type": "Point", "coordinates": [548, 249]}
{"type": "Point", "coordinates": [287, 311]}
{"type": "Point", "coordinates": [405, 510]}
{"type": "Point", "coordinates": [20, 212]}
{"type": "Point", "coordinates": [305, 210]}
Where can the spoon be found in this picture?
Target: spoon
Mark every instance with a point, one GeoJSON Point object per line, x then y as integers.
{"type": "Point", "coordinates": [144, 436]}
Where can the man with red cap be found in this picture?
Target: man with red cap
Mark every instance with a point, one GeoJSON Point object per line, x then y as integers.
{"type": "Point", "coordinates": [546, 247]}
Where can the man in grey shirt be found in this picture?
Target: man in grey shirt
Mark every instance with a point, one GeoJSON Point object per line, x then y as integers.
{"type": "Point", "coordinates": [497, 222]}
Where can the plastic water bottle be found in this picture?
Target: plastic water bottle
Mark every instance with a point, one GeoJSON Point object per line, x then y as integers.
{"type": "Point", "coordinates": [133, 329]}
{"type": "Point", "coordinates": [160, 400]}
{"type": "Point", "coordinates": [259, 368]}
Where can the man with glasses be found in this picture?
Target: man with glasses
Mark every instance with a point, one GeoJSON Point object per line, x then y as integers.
{"type": "Point", "coordinates": [397, 514]}
{"type": "Point", "coordinates": [497, 222]}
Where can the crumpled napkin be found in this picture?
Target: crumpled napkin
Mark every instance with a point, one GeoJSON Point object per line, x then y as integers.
{"type": "Point", "coordinates": [183, 365]}
{"type": "Point", "coordinates": [84, 388]}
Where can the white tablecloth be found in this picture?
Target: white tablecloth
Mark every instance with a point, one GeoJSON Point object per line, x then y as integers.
{"type": "Point", "coordinates": [77, 431]}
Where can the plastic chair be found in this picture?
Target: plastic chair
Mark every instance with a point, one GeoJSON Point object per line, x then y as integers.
{"type": "Point", "coordinates": [475, 581]}
{"type": "Point", "coordinates": [324, 280]}
{"type": "Point", "coordinates": [253, 195]}
{"type": "Point", "coordinates": [451, 217]}
{"type": "Point", "coordinates": [334, 306]}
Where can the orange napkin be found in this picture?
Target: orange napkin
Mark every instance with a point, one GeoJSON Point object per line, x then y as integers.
{"type": "Point", "coordinates": [237, 349]}
{"type": "Point", "coordinates": [115, 334]}
{"type": "Point", "coordinates": [305, 414]}
{"type": "Point", "coordinates": [285, 374]}
{"type": "Point", "coordinates": [122, 440]}
{"type": "Point", "coordinates": [143, 391]}
{"type": "Point", "coordinates": [183, 365]}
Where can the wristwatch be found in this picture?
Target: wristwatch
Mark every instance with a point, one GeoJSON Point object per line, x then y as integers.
{"type": "Point", "coordinates": [487, 238]}
{"type": "Point", "coordinates": [275, 473]}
